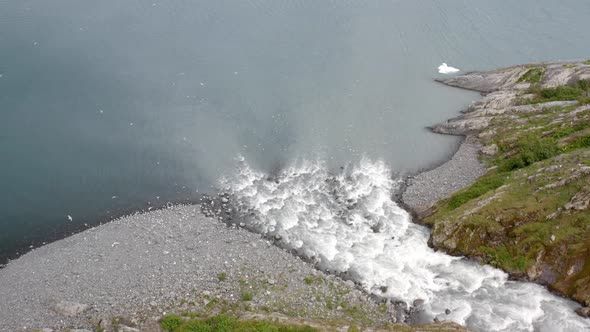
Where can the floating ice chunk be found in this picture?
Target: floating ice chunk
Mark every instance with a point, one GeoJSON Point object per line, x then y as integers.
{"type": "Point", "coordinates": [202, 84]}
{"type": "Point", "coordinates": [446, 69]}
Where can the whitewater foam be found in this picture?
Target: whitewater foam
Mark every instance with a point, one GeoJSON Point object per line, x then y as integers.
{"type": "Point", "coordinates": [347, 223]}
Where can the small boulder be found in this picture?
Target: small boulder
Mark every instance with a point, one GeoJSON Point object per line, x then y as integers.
{"type": "Point", "coordinates": [489, 150]}
{"type": "Point", "coordinates": [418, 303]}
{"type": "Point", "coordinates": [584, 312]}
{"type": "Point", "coordinates": [580, 201]}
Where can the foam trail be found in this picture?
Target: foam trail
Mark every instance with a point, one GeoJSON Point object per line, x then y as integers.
{"type": "Point", "coordinates": [348, 223]}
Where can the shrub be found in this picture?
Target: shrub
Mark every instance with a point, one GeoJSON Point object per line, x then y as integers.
{"type": "Point", "coordinates": [579, 92]}
{"type": "Point", "coordinates": [529, 151]}
{"type": "Point", "coordinates": [477, 189]}
{"type": "Point", "coordinates": [308, 280]}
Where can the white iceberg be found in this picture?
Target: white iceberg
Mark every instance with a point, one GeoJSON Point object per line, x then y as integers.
{"type": "Point", "coordinates": [446, 69]}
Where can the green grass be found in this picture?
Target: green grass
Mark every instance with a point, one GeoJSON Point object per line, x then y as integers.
{"type": "Point", "coordinates": [561, 93]}
{"type": "Point", "coordinates": [171, 322]}
{"type": "Point", "coordinates": [477, 189]}
{"type": "Point", "coordinates": [581, 142]}
{"type": "Point", "coordinates": [222, 276]}
{"type": "Point", "coordinates": [566, 131]}
{"type": "Point", "coordinates": [530, 150]}
{"type": "Point", "coordinates": [246, 296]}
{"type": "Point", "coordinates": [225, 323]}
{"type": "Point", "coordinates": [587, 62]}
{"type": "Point", "coordinates": [533, 75]}
{"type": "Point", "coordinates": [308, 280]}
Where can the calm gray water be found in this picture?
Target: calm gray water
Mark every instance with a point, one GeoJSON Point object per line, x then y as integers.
{"type": "Point", "coordinates": [108, 105]}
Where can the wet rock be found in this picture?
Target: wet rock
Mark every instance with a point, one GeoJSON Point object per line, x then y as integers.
{"type": "Point", "coordinates": [418, 303]}
{"type": "Point", "coordinates": [584, 312]}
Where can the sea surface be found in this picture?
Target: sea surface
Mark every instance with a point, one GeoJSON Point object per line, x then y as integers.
{"type": "Point", "coordinates": [108, 107]}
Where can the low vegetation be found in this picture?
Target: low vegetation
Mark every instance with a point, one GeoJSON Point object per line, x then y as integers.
{"type": "Point", "coordinates": [527, 151]}
{"type": "Point", "coordinates": [222, 276]}
{"type": "Point", "coordinates": [579, 91]}
{"type": "Point", "coordinates": [225, 323]}
{"type": "Point", "coordinates": [530, 214]}
{"type": "Point", "coordinates": [533, 75]}
{"type": "Point", "coordinates": [477, 189]}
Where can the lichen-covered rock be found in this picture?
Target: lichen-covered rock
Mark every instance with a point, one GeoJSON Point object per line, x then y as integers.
{"type": "Point", "coordinates": [490, 150]}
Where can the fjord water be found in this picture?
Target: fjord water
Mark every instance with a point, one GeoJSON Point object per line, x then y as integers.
{"type": "Point", "coordinates": [107, 106]}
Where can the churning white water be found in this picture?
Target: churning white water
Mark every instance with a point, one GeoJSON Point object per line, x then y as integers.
{"type": "Point", "coordinates": [348, 223]}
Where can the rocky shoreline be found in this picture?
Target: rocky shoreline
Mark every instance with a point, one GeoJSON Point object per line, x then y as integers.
{"type": "Point", "coordinates": [127, 274]}
{"type": "Point", "coordinates": [530, 130]}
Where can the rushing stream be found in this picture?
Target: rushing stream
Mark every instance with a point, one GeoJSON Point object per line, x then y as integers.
{"type": "Point", "coordinates": [348, 223]}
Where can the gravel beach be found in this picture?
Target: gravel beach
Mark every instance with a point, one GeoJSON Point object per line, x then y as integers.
{"type": "Point", "coordinates": [425, 189]}
{"type": "Point", "coordinates": [175, 259]}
